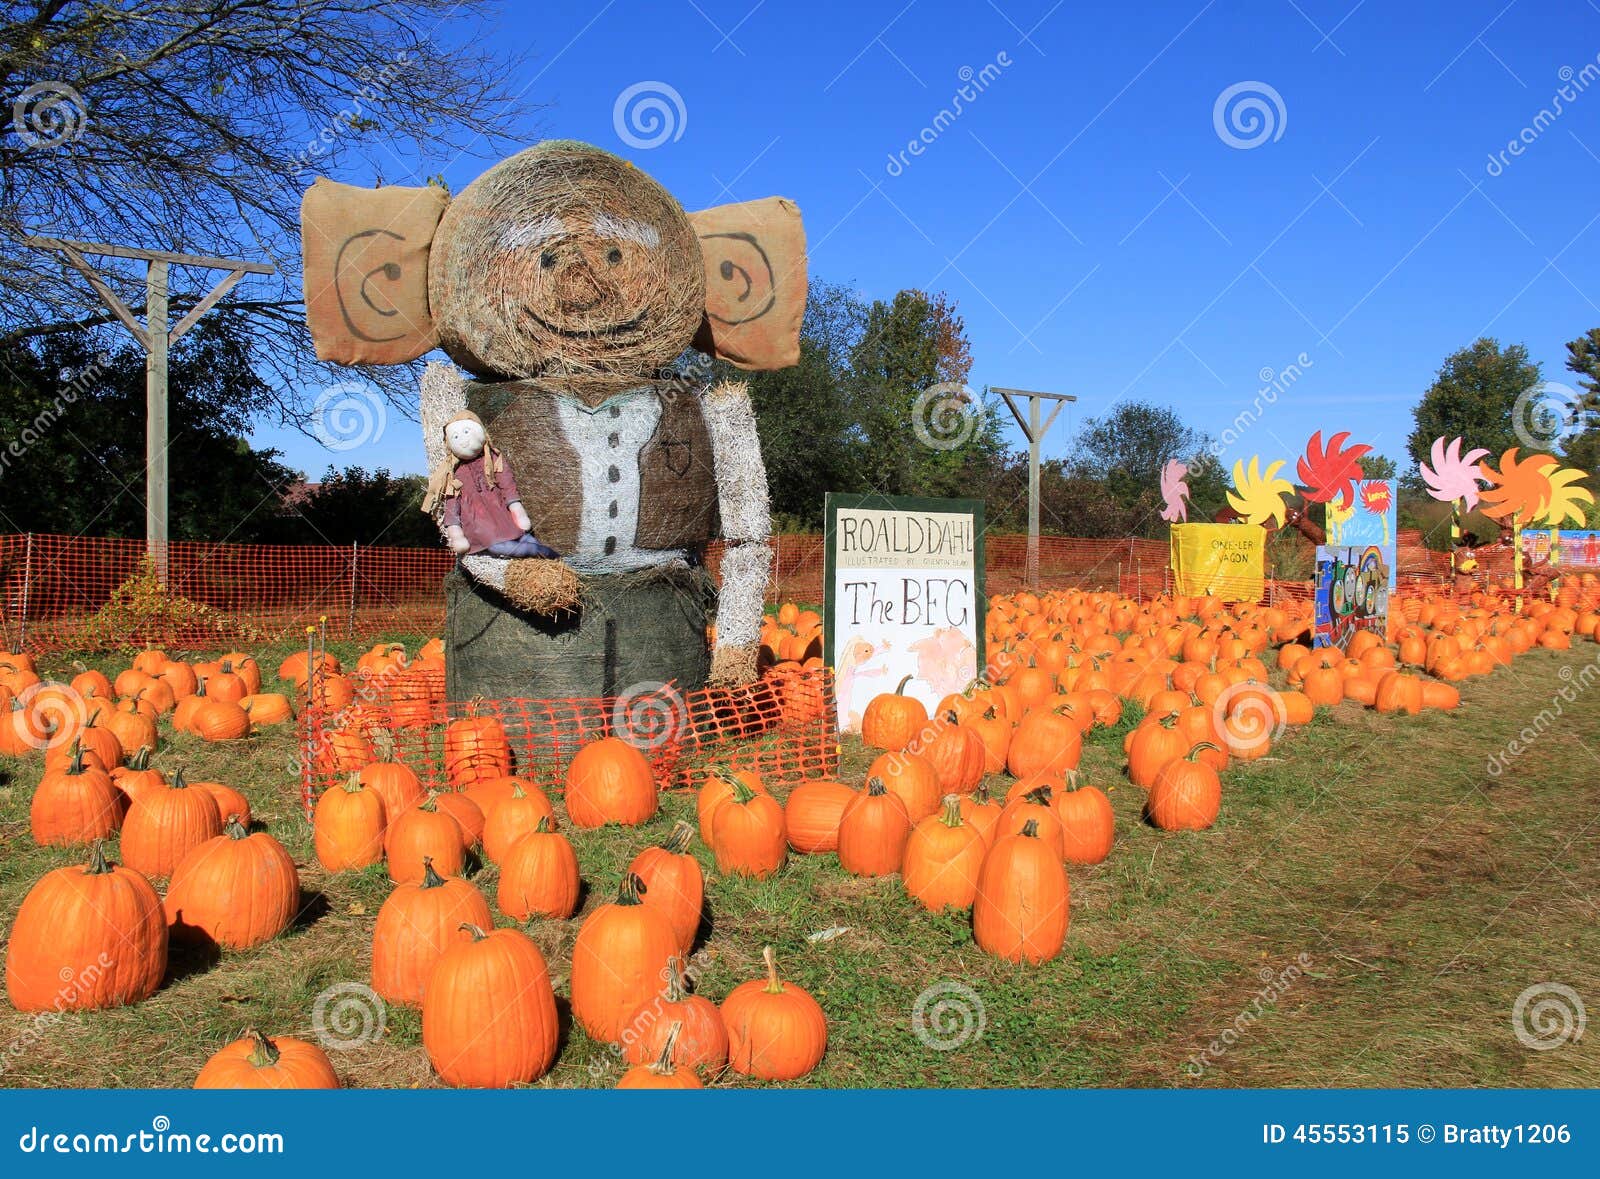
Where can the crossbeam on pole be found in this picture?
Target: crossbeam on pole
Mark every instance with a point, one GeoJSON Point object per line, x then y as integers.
{"type": "Point", "coordinates": [1033, 429]}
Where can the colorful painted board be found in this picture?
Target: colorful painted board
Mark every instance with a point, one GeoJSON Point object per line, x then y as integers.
{"type": "Point", "coordinates": [903, 586]}
{"type": "Point", "coordinates": [1352, 593]}
{"type": "Point", "coordinates": [1371, 518]}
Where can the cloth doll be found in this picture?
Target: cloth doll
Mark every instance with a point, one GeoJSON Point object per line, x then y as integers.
{"type": "Point", "coordinates": [474, 494]}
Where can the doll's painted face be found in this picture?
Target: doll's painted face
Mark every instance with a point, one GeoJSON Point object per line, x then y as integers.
{"type": "Point", "coordinates": [465, 439]}
{"type": "Point", "coordinates": [565, 259]}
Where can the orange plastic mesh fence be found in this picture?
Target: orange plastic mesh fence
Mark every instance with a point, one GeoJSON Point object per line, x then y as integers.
{"type": "Point", "coordinates": [97, 593]}
{"type": "Point", "coordinates": [783, 726]}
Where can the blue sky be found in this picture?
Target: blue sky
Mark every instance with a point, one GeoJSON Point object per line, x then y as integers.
{"type": "Point", "coordinates": [1099, 234]}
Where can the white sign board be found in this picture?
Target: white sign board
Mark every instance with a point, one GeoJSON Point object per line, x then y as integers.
{"type": "Point", "coordinates": [904, 598]}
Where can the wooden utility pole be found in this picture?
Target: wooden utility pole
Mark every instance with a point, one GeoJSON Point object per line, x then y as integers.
{"type": "Point", "coordinates": [154, 336]}
{"type": "Point", "coordinates": [1034, 431]}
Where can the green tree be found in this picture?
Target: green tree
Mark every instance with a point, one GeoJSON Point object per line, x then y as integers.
{"type": "Point", "coordinates": [362, 507]}
{"type": "Point", "coordinates": [1473, 397]}
{"type": "Point", "coordinates": [803, 412]}
{"type": "Point", "coordinates": [1582, 445]}
{"type": "Point", "coordinates": [920, 430]}
{"type": "Point", "coordinates": [1128, 447]}
{"type": "Point", "coordinates": [73, 459]}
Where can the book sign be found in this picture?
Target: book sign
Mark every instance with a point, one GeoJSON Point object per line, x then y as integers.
{"type": "Point", "coordinates": [904, 603]}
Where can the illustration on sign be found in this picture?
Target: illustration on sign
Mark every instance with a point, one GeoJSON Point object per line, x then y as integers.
{"type": "Point", "coordinates": [904, 586]}
{"type": "Point", "coordinates": [1352, 593]}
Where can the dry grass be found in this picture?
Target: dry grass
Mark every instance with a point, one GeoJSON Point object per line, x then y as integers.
{"type": "Point", "coordinates": [1425, 893]}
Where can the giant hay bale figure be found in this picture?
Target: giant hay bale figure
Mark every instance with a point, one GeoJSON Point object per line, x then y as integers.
{"type": "Point", "coordinates": [568, 282]}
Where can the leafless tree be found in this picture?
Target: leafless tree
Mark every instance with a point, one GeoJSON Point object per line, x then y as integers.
{"type": "Point", "coordinates": [195, 125]}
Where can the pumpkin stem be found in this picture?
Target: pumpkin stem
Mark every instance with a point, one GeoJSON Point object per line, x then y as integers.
{"type": "Point", "coordinates": [517, 791]}
{"type": "Point", "coordinates": [632, 890]}
{"type": "Point", "coordinates": [663, 1065]}
{"type": "Point", "coordinates": [97, 859]}
{"type": "Point", "coordinates": [544, 825]}
{"type": "Point", "coordinates": [430, 878]}
{"type": "Point", "coordinates": [674, 988]}
{"type": "Point", "coordinates": [141, 758]}
{"type": "Point", "coordinates": [476, 934]}
{"type": "Point", "coordinates": [76, 765]}
{"type": "Point", "coordinates": [179, 782]}
{"type": "Point", "coordinates": [1071, 779]}
{"type": "Point", "coordinates": [265, 1053]}
{"type": "Point", "coordinates": [952, 811]}
{"type": "Point", "coordinates": [679, 838]}
{"type": "Point", "coordinates": [875, 787]}
{"type": "Point", "coordinates": [774, 984]}
{"type": "Point", "coordinates": [1197, 747]}
{"type": "Point", "coordinates": [741, 792]}
{"type": "Point", "coordinates": [1039, 795]}
{"type": "Point", "coordinates": [234, 829]}
{"type": "Point", "coordinates": [352, 784]}
{"type": "Point", "coordinates": [431, 803]}
{"type": "Point", "coordinates": [1030, 829]}
{"type": "Point", "coordinates": [900, 689]}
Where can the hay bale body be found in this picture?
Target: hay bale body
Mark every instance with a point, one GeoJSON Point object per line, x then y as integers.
{"type": "Point", "coordinates": [630, 629]}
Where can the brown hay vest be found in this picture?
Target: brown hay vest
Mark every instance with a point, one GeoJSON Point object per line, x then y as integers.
{"type": "Point", "coordinates": [677, 473]}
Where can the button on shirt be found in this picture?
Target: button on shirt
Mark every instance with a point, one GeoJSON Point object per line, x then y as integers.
{"type": "Point", "coordinates": [608, 438]}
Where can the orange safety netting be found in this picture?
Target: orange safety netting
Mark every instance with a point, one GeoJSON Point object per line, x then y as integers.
{"type": "Point", "coordinates": [97, 593]}
{"type": "Point", "coordinates": [784, 726]}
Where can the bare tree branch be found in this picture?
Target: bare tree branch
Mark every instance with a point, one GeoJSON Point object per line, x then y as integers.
{"type": "Point", "coordinates": [196, 125]}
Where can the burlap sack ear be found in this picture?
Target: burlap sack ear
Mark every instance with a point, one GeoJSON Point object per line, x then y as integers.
{"type": "Point", "coordinates": [755, 258]}
{"type": "Point", "coordinates": [366, 270]}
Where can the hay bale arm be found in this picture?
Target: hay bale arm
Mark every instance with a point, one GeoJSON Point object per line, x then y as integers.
{"type": "Point", "coordinates": [746, 515]}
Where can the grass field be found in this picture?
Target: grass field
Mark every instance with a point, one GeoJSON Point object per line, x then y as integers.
{"type": "Point", "coordinates": [1367, 911]}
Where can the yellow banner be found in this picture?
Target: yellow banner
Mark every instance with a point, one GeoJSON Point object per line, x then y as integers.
{"type": "Point", "coordinates": [1224, 560]}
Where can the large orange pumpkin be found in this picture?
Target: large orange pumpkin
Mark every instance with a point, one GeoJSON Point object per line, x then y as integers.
{"type": "Point", "coordinates": [256, 1062]}
{"type": "Point", "coordinates": [235, 891]}
{"type": "Point", "coordinates": [347, 826]}
{"type": "Point", "coordinates": [776, 1030]}
{"type": "Point", "coordinates": [415, 925]}
{"type": "Point", "coordinates": [1023, 903]}
{"type": "Point", "coordinates": [489, 1014]}
{"type": "Point", "coordinates": [873, 832]}
{"type": "Point", "coordinates": [619, 961]}
{"type": "Point", "coordinates": [674, 883]}
{"type": "Point", "coordinates": [609, 781]}
{"type": "Point", "coordinates": [86, 938]}
{"type": "Point", "coordinates": [811, 815]}
{"type": "Point", "coordinates": [539, 876]}
{"type": "Point", "coordinates": [942, 859]}
{"type": "Point", "coordinates": [893, 720]}
{"type": "Point", "coordinates": [165, 824]}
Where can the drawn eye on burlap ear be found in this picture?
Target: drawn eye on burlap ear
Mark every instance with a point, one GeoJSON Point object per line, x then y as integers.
{"type": "Point", "coordinates": [366, 270]}
{"type": "Point", "coordinates": [755, 262]}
